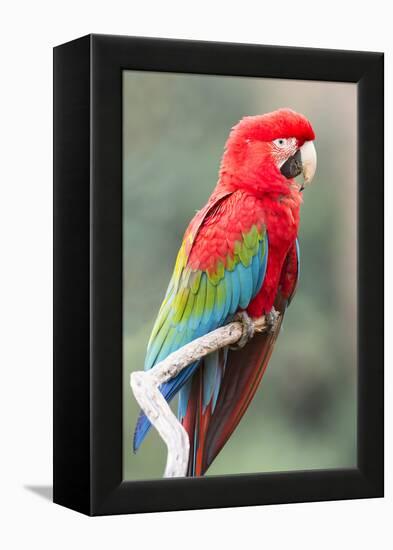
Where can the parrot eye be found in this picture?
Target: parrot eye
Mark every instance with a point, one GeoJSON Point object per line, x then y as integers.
{"type": "Point", "coordinates": [280, 142]}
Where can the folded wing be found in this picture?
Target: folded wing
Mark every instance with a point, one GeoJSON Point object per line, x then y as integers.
{"type": "Point", "coordinates": [219, 269]}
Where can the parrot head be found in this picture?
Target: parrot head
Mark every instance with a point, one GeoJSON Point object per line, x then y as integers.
{"type": "Point", "coordinates": [264, 153]}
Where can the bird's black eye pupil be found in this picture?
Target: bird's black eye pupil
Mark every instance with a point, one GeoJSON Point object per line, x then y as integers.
{"type": "Point", "coordinates": [281, 141]}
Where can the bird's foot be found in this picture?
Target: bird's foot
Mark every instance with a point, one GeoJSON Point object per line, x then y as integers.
{"type": "Point", "coordinates": [248, 330]}
{"type": "Point", "coordinates": [271, 320]}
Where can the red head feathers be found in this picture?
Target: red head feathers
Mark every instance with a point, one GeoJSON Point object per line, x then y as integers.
{"type": "Point", "coordinates": [258, 146]}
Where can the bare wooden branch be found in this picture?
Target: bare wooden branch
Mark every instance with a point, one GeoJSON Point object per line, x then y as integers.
{"type": "Point", "coordinates": [145, 386]}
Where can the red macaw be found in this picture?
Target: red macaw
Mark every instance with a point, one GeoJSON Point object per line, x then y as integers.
{"type": "Point", "coordinates": [239, 254]}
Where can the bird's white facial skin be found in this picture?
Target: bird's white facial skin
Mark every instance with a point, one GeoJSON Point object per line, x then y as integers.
{"type": "Point", "coordinates": [283, 148]}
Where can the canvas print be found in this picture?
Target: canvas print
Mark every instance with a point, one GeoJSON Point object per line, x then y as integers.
{"type": "Point", "coordinates": [239, 255]}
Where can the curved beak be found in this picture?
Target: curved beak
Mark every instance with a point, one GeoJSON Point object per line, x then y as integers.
{"type": "Point", "coordinates": [304, 161]}
{"type": "Point", "coordinates": [308, 157]}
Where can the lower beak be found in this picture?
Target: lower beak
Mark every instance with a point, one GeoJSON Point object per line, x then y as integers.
{"type": "Point", "coordinates": [304, 161]}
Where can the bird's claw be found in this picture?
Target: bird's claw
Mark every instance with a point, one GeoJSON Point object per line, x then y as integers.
{"type": "Point", "coordinates": [271, 320]}
{"type": "Point", "coordinates": [248, 330]}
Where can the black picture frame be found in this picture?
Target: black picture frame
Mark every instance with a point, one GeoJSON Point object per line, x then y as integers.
{"type": "Point", "coordinates": [88, 274]}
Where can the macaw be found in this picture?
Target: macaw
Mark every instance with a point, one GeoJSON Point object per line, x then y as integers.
{"type": "Point", "coordinates": [239, 256]}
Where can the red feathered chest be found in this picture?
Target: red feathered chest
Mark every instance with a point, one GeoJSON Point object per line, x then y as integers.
{"type": "Point", "coordinates": [281, 215]}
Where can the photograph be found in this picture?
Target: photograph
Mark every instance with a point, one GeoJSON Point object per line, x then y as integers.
{"type": "Point", "coordinates": [240, 212]}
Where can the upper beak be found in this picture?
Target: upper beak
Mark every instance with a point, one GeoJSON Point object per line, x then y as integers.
{"type": "Point", "coordinates": [304, 161]}
{"type": "Point", "coordinates": [308, 157]}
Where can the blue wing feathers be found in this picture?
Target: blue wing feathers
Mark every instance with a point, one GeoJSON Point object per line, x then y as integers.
{"type": "Point", "coordinates": [245, 277]}
{"type": "Point", "coordinates": [235, 291]}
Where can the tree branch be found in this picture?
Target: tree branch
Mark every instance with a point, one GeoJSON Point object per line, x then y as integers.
{"type": "Point", "coordinates": [145, 386]}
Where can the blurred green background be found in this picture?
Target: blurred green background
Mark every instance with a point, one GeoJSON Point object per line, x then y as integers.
{"type": "Point", "coordinates": [175, 126]}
